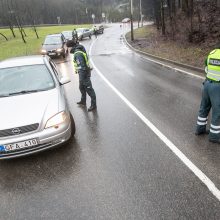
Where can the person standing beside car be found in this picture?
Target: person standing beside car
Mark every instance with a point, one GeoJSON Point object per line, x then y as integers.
{"type": "Point", "coordinates": [75, 35]}
{"type": "Point", "coordinates": [95, 31]}
{"type": "Point", "coordinates": [82, 67]}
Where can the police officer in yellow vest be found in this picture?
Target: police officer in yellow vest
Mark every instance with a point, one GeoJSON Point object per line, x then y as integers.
{"type": "Point", "coordinates": [81, 64]}
{"type": "Point", "coordinates": [211, 98]}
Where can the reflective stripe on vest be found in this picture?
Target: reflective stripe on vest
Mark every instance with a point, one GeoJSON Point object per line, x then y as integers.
{"type": "Point", "coordinates": [85, 57]}
{"type": "Point", "coordinates": [213, 65]}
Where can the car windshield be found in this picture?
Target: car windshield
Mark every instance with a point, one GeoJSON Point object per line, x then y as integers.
{"type": "Point", "coordinates": [25, 79]}
{"type": "Point", "coordinates": [53, 40]}
{"type": "Point", "coordinates": [67, 34]}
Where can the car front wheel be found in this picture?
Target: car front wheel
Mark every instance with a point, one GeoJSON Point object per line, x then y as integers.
{"type": "Point", "coordinates": [73, 126]}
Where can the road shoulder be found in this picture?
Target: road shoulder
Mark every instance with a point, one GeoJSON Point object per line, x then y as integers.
{"type": "Point", "coordinates": [171, 64]}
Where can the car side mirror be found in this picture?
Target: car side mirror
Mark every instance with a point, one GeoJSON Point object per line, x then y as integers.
{"type": "Point", "coordinates": [64, 80]}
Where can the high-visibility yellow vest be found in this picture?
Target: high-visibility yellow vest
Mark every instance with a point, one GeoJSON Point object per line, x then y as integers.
{"type": "Point", "coordinates": [76, 65]}
{"type": "Point", "coordinates": [213, 65]}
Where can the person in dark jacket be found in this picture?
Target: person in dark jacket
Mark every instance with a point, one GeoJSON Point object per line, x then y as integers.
{"type": "Point", "coordinates": [95, 31]}
{"type": "Point", "coordinates": [82, 67]}
{"type": "Point", "coordinates": [75, 36]}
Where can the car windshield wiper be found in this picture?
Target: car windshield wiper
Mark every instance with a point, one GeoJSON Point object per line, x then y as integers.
{"type": "Point", "coordinates": [26, 91]}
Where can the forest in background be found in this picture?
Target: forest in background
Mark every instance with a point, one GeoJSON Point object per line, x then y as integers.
{"type": "Point", "coordinates": [193, 21]}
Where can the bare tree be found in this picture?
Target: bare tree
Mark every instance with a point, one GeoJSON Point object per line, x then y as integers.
{"type": "Point", "coordinates": [31, 15]}
{"type": "Point", "coordinates": [162, 17]}
{"type": "Point", "coordinates": [4, 36]}
{"type": "Point", "coordinates": [7, 16]}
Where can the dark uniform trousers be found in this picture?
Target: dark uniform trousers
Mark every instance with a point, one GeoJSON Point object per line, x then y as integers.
{"type": "Point", "coordinates": [210, 99]}
{"type": "Point", "coordinates": [85, 86]}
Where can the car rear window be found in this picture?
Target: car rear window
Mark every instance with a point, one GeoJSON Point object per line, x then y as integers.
{"type": "Point", "coordinates": [20, 79]}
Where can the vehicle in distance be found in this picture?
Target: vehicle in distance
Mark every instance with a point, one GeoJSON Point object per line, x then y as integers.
{"type": "Point", "coordinates": [83, 33]}
{"type": "Point", "coordinates": [100, 29]}
{"type": "Point", "coordinates": [34, 114]}
{"type": "Point", "coordinates": [54, 45]}
{"type": "Point", "coordinates": [126, 20]}
{"type": "Point", "coordinates": [68, 35]}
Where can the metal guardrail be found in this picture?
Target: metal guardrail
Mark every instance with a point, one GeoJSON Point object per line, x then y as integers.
{"type": "Point", "coordinates": [197, 69]}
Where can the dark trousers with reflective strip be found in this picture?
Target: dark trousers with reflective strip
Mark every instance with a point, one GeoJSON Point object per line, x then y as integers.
{"type": "Point", "coordinates": [210, 99]}
{"type": "Point", "coordinates": [85, 86]}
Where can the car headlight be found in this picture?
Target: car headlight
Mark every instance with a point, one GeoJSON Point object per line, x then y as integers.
{"type": "Point", "coordinates": [43, 51]}
{"type": "Point", "coordinates": [59, 50]}
{"type": "Point", "coordinates": [56, 120]}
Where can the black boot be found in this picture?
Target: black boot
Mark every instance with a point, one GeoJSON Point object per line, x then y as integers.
{"type": "Point", "coordinates": [201, 132]}
{"type": "Point", "coordinates": [92, 108]}
{"type": "Point", "coordinates": [81, 103]}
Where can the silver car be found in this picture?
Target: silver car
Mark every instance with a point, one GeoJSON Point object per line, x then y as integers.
{"type": "Point", "coordinates": [34, 115]}
{"type": "Point", "coordinates": [83, 33]}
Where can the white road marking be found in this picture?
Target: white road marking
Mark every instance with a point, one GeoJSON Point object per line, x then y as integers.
{"type": "Point", "coordinates": [188, 73]}
{"type": "Point", "coordinates": [165, 65]}
{"type": "Point", "coordinates": [210, 185]}
{"type": "Point", "coordinates": [171, 67]}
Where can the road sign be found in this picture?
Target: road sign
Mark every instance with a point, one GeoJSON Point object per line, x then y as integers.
{"type": "Point", "coordinates": [58, 20]}
{"type": "Point", "coordinates": [103, 15]}
{"type": "Point", "coordinates": [93, 16]}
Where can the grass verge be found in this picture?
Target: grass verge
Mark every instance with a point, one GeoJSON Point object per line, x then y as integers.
{"type": "Point", "coordinates": [149, 40]}
{"type": "Point", "coordinates": [15, 46]}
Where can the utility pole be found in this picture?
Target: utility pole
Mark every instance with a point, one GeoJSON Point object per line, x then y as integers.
{"type": "Point", "coordinates": [141, 13]}
{"type": "Point", "coordinates": [132, 29]}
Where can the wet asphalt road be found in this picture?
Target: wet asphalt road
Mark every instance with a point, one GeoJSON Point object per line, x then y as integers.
{"type": "Point", "coordinates": [116, 167]}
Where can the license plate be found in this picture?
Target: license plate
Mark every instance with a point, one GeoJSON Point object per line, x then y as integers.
{"type": "Point", "coordinates": [19, 145]}
{"type": "Point", "coordinates": [52, 54]}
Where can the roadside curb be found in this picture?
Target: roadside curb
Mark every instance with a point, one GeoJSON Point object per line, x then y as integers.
{"type": "Point", "coordinates": [199, 70]}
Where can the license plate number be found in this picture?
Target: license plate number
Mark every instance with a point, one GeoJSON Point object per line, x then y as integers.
{"type": "Point", "coordinates": [52, 54]}
{"type": "Point", "coordinates": [19, 145]}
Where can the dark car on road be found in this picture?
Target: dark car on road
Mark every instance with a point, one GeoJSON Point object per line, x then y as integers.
{"type": "Point", "coordinates": [100, 29]}
{"type": "Point", "coordinates": [54, 45]}
{"type": "Point", "coordinates": [68, 35]}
